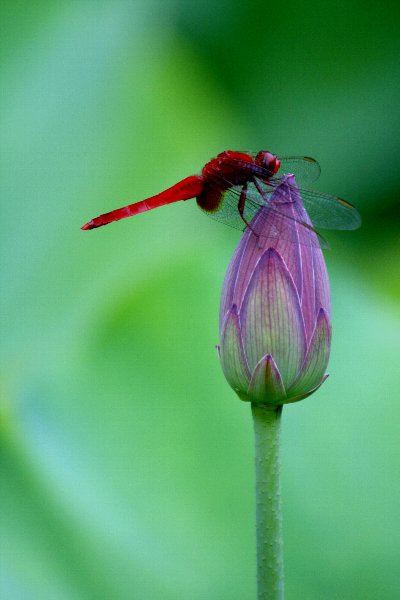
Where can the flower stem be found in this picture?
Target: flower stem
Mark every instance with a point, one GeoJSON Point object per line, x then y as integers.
{"type": "Point", "coordinates": [268, 502]}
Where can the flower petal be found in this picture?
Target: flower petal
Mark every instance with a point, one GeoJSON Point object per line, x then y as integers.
{"type": "Point", "coordinates": [266, 386]}
{"type": "Point", "coordinates": [316, 359]}
{"type": "Point", "coordinates": [322, 291]}
{"type": "Point", "coordinates": [271, 317]}
{"type": "Point", "coordinates": [302, 396]}
{"type": "Point", "coordinates": [233, 359]}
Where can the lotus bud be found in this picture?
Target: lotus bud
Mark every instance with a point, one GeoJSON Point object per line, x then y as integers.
{"type": "Point", "coordinates": [275, 329]}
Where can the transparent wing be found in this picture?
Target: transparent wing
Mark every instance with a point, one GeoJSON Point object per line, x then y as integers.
{"type": "Point", "coordinates": [305, 168]}
{"type": "Point", "coordinates": [325, 211]}
{"type": "Point", "coordinates": [269, 211]}
{"type": "Point", "coordinates": [330, 212]}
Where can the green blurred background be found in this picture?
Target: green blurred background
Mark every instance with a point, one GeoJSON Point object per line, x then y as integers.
{"type": "Point", "coordinates": [127, 461]}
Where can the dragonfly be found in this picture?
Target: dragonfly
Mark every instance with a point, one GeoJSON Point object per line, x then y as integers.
{"type": "Point", "coordinates": [236, 186]}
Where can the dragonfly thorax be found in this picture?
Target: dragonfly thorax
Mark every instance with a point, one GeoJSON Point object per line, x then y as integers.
{"type": "Point", "coordinates": [229, 168]}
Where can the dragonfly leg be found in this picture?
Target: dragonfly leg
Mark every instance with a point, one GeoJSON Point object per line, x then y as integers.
{"type": "Point", "coordinates": [241, 205]}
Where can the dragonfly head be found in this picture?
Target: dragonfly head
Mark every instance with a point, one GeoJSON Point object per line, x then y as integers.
{"type": "Point", "coordinates": [268, 161]}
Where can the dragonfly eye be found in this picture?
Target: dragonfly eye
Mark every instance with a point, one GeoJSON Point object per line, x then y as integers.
{"type": "Point", "coordinates": [268, 161]}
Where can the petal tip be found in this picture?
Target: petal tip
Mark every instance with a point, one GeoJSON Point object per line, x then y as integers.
{"type": "Point", "coordinates": [266, 385]}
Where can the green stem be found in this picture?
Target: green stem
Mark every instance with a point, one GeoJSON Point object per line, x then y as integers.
{"type": "Point", "coordinates": [268, 502]}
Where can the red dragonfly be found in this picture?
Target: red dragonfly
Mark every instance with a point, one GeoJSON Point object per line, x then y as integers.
{"type": "Point", "coordinates": [234, 186]}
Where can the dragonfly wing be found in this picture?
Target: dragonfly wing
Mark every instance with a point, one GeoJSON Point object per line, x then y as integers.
{"type": "Point", "coordinates": [274, 212]}
{"type": "Point", "coordinates": [330, 212]}
{"type": "Point", "coordinates": [324, 210]}
{"type": "Point", "coordinates": [305, 168]}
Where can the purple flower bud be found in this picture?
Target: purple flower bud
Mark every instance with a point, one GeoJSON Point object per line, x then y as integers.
{"type": "Point", "coordinates": [275, 327]}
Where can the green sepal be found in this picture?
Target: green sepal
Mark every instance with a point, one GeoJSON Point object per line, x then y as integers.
{"type": "Point", "coordinates": [266, 385]}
